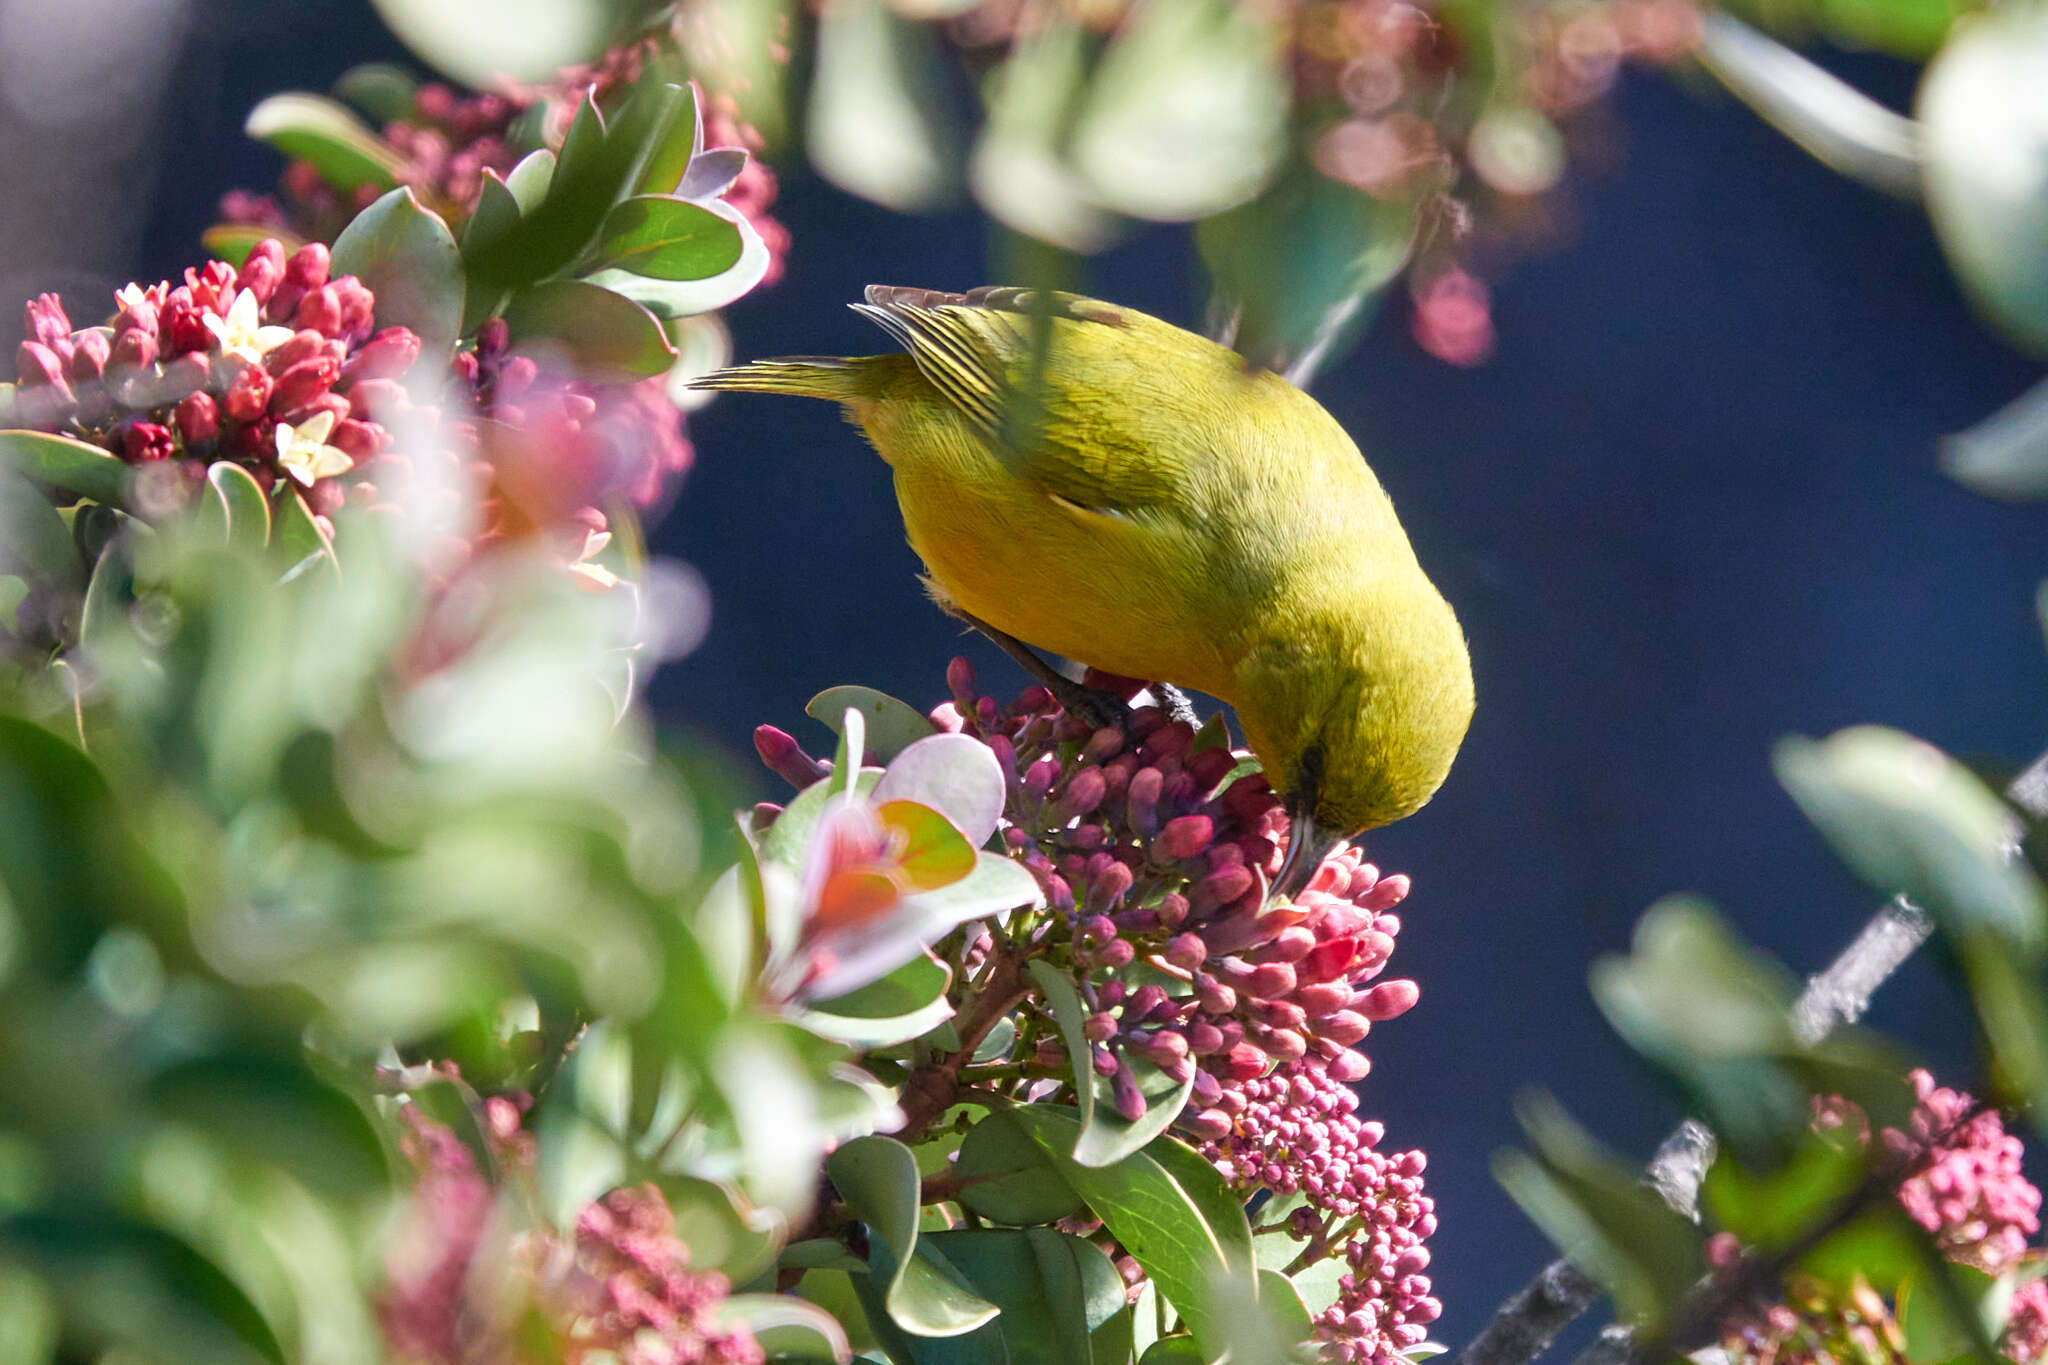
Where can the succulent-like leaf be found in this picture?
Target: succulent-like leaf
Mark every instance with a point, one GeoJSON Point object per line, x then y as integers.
{"type": "Point", "coordinates": [892, 725]}
{"type": "Point", "coordinates": [409, 259]}
{"type": "Point", "coordinates": [315, 129]}
{"type": "Point", "coordinates": [67, 465]}
{"type": "Point", "coordinates": [1012, 1178]}
{"type": "Point", "coordinates": [956, 775]}
{"type": "Point", "coordinates": [664, 237]}
{"type": "Point", "coordinates": [879, 1180]}
{"type": "Point", "coordinates": [607, 336]}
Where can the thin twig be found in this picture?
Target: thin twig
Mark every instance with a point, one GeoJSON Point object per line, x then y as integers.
{"type": "Point", "coordinates": [1524, 1326]}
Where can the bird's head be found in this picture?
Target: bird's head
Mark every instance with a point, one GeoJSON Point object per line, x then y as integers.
{"type": "Point", "coordinates": [1356, 726]}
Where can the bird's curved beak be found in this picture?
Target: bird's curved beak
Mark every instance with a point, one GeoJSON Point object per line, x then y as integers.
{"type": "Point", "coordinates": [1307, 846]}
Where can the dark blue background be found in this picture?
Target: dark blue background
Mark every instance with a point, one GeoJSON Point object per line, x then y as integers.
{"type": "Point", "coordinates": [1689, 508]}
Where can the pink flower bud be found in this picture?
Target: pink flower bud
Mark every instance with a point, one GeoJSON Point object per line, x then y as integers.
{"type": "Point", "coordinates": [1389, 1000]}
{"type": "Point", "coordinates": [360, 441]}
{"type": "Point", "coordinates": [1291, 944]}
{"type": "Point", "coordinates": [1187, 951]}
{"type": "Point", "coordinates": [307, 267]}
{"type": "Point", "coordinates": [1322, 998]}
{"type": "Point", "coordinates": [1103, 745]}
{"type": "Point", "coordinates": [357, 304]}
{"type": "Point", "coordinates": [492, 338]}
{"type": "Point", "coordinates": [197, 418]}
{"type": "Point", "coordinates": [1221, 888]}
{"type": "Point", "coordinates": [46, 322]}
{"type": "Point", "coordinates": [319, 310]}
{"type": "Point", "coordinates": [1214, 996]}
{"type": "Point", "coordinates": [1038, 778]}
{"type": "Point", "coordinates": [89, 352]}
{"type": "Point", "coordinates": [137, 317]}
{"type": "Point", "coordinates": [1184, 837]}
{"type": "Point", "coordinates": [248, 393]}
{"type": "Point", "coordinates": [1386, 894]}
{"type": "Point", "coordinates": [785, 757]}
{"type": "Point", "coordinates": [1349, 1067]}
{"type": "Point", "coordinates": [1203, 1038]}
{"type": "Point", "coordinates": [1207, 1126]}
{"type": "Point", "coordinates": [1282, 1044]}
{"type": "Point", "coordinates": [262, 270]}
{"type": "Point", "coordinates": [1109, 886]}
{"type": "Point", "coordinates": [133, 350]}
{"type": "Point", "coordinates": [182, 325]}
{"type": "Point", "coordinates": [300, 385]}
{"type": "Point", "coordinates": [1344, 1027]}
{"type": "Point", "coordinates": [1130, 1101]}
{"type": "Point", "coordinates": [1099, 1027]}
{"type": "Point", "coordinates": [1244, 1062]}
{"type": "Point", "coordinates": [1117, 954]}
{"type": "Point", "coordinates": [146, 441]}
{"type": "Point", "coordinates": [36, 365]}
{"type": "Point", "coordinates": [387, 355]}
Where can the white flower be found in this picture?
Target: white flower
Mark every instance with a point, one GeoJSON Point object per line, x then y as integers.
{"type": "Point", "coordinates": [242, 333]}
{"type": "Point", "coordinates": [303, 452]}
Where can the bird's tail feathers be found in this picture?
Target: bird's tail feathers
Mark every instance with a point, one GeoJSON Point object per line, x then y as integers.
{"type": "Point", "coordinates": [806, 376]}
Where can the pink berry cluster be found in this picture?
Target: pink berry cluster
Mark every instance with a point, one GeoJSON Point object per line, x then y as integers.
{"type": "Point", "coordinates": [1299, 1134]}
{"type": "Point", "coordinates": [460, 1275]}
{"type": "Point", "coordinates": [1971, 1192]}
{"type": "Point", "coordinates": [1153, 851]}
{"type": "Point", "coordinates": [1965, 1186]}
{"type": "Point", "coordinates": [447, 140]}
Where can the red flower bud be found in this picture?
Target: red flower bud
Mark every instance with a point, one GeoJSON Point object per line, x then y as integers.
{"type": "Point", "coordinates": [1328, 960]}
{"type": "Point", "coordinates": [1268, 981]}
{"type": "Point", "coordinates": [492, 338]}
{"type": "Point", "coordinates": [1345, 1027]}
{"type": "Point", "coordinates": [1221, 887]}
{"type": "Point", "coordinates": [89, 352]}
{"type": "Point", "coordinates": [1209, 767]}
{"type": "Point", "coordinates": [785, 757]}
{"type": "Point", "coordinates": [146, 441]}
{"type": "Point", "coordinates": [187, 374]}
{"type": "Point", "coordinates": [1208, 1126]}
{"type": "Point", "coordinates": [263, 270]}
{"type": "Point", "coordinates": [1388, 1000]}
{"type": "Point", "coordinates": [182, 326]}
{"type": "Point", "coordinates": [36, 365]}
{"type": "Point", "coordinates": [299, 385]}
{"type": "Point", "coordinates": [1244, 1062]}
{"type": "Point", "coordinates": [320, 310]}
{"type": "Point", "coordinates": [303, 345]}
{"type": "Point", "coordinates": [198, 419]}
{"type": "Point", "coordinates": [357, 304]}
{"type": "Point", "coordinates": [47, 322]}
{"type": "Point", "coordinates": [383, 400]}
{"type": "Point", "coordinates": [307, 268]}
{"type": "Point", "coordinates": [1184, 837]}
{"type": "Point", "coordinates": [1129, 1100]}
{"type": "Point", "coordinates": [386, 355]}
{"type": "Point", "coordinates": [359, 440]}
{"type": "Point", "coordinates": [133, 350]}
{"type": "Point", "coordinates": [137, 317]}
{"type": "Point", "coordinates": [248, 394]}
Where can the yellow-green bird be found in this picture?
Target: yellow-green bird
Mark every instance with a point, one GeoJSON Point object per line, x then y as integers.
{"type": "Point", "coordinates": [1136, 497]}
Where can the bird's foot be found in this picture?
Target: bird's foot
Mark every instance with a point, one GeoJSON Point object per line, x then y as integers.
{"type": "Point", "coordinates": [1098, 707]}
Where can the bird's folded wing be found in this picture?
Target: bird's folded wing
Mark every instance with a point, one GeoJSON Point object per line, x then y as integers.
{"type": "Point", "coordinates": [1065, 417]}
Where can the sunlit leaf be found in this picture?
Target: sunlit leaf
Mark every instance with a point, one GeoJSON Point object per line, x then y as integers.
{"type": "Point", "coordinates": [604, 334]}
{"type": "Point", "coordinates": [663, 237]}
{"type": "Point", "coordinates": [233, 509]}
{"type": "Point", "coordinates": [786, 1327]}
{"type": "Point", "coordinates": [64, 464]}
{"type": "Point", "coordinates": [956, 775]}
{"type": "Point", "coordinates": [1018, 169]}
{"type": "Point", "coordinates": [312, 128]}
{"type": "Point", "coordinates": [878, 1178]}
{"type": "Point", "coordinates": [409, 259]}
{"type": "Point", "coordinates": [892, 725]}
{"type": "Point", "coordinates": [480, 42]}
{"type": "Point", "coordinates": [687, 298]}
{"type": "Point", "coordinates": [878, 127]}
{"type": "Point", "coordinates": [907, 1003]}
{"type": "Point", "coordinates": [1012, 1179]}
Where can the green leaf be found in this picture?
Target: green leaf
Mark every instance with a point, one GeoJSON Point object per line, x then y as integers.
{"type": "Point", "coordinates": [315, 129]}
{"type": "Point", "coordinates": [1186, 114]}
{"type": "Point", "coordinates": [234, 508]}
{"type": "Point", "coordinates": [878, 1178]}
{"type": "Point", "coordinates": [299, 539]}
{"type": "Point", "coordinates": [877, 127]}
{"type": "Point", "coordinates": [1012, 1179]}
{"type": "Point", "coordinates": [271, 1110]}
{"type": "Point", "coordinates": [66, 465]}
{"type": "Point", "coordinates": [2006, 454]}
{"type": "Point", "coordinates": [892, 725]}
{"type": "Point", "coordinates": [1911, 821]}
{"type": "Point", "coordinates": [1106, 1138]}
{"type": "Point", "coordinates": [1184, 1237]}
{"type": "Point", "coordinates": [1952, 1312]}
{"type": "Point", "coordinates": [382, 91]}
{"type": "Point", "coordinates": [1699, 1004]}
{"type": "Point", "coordinates": [1174, 1351]}
{"type": "Point", "coordinates": [907, 1003]}
{"type": "Point", "coordinates": [786, 1327]}
{"type": "Point", "coordinates": [1062, 1301]}
{"type": "Point", "coordinates": [1019, 171]}
{"type": "Point", "coordinates": [482, 42]}
{"type": "Point", "coordinates": [530, 180]}
{"type": "Point", "coordinates": [670, 299]}
{"type": "Point", "coordinates": [722, 1228]}
{"type": "Point", "coordinates": [409, 259]}
{"type": "Point", "coordinates": [232, 242]}
{"type": "Point", "coordinates": [170, 1293]}
{"type": "Point", "coordinates": [496, 213]}
{"type": "Point", "coordinates": [1772, 1210]}
{"type": "Point", "coordinates": [607, 336]}
{"type": "Point", "coordinates": [663, 237]}
{"type": "Point", "coordinates": [1601, 1217]}
{"type": "Point", "coordinates": [34, 541]}
{"type": "Point", "coordinates": [599, 164]}
{"type": "Point", "coordinates": [955, 775]}
{"type": "Point", "coordinates": [997, 886]}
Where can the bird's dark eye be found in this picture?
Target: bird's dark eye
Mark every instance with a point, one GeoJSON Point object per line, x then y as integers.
{"type": "Point", "coordinates": [1309, 772]}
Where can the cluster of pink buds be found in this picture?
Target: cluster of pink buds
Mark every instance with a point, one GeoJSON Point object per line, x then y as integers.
{"type": "Point", "coordinates": [1156, 851]}
{"type": "Point", "coordinates": [461, 1273]}
{"type": "Point", "coordinates": [278, 366]}
{"type": "Point", "coordinates": [1966, 1186]}
{"type": "Point", "coordinates": [260, 365]}
{"type": "Point", "coordinates": [1299, 1134]}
